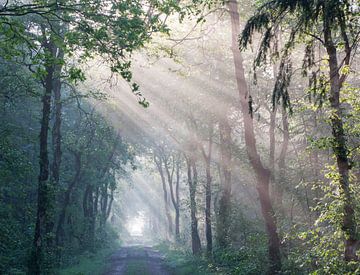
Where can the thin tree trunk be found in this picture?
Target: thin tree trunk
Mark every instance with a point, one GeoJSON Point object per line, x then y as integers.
{"type": "Point", "coordinates": [165, 194]}
{"type": "Point", "coordinates": [109, 204]}
{"type": "Point", "coordinates": [60, 229]}
{"type": "Point", "coordinates": [44, 217]}
{"type": "Point", "coordinates": [56, 132]}
{"type": "Point", "coordinates": [207, 159]}
{"type": "Point", "coordinates": [340, 147]}
{"type": "Point", "coordinates": [225, 197]}
{"type": "Point", "coordinates": [103, 205]}
{"type": "Point", "coordinates": [174, 197]}
{"type": "Point", "coordinates": [192, 181]}
{"type": "Point", "coordinates": [177, 197]}
{"type": "Point", "coordinates": [92, 203]}
{"type": "Point", "coordinates": [208, 229]}
{"type": "Point", "coordinates": [262, 173]}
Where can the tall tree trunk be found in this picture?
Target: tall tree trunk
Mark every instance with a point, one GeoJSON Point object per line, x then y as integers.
{"type": "Point", "coordinates": [262, 173]}
{"type": "Point", "coordinates": [104, 205]}
{"type": "Point", "coordinates": [165, 194]}
{"type": "Point", "coordinates": [66, 202]}
{"type": "Point", "coordinates": [90, 208]}
{"type": "Point", "coordinates": [340, 147]}
{"type": "Point", "coordinates": [56, 131]}
{"type": "Point", "coordinates": [44, 217]}
{"type": "Point", "coordinates": [177, 198]}
{"type": "Point", "coordinates": [208, 229]}
{"type": "Point", "coordinates": [225, 197]}
{"type": "Point", "coordinates": [207, 160]}
{"type": "Point", "coordinates": [174, 197]}
{"type": "Point", "coordinates": [108, 211]}
{"type": "Point", "coordinates": [192, 181]}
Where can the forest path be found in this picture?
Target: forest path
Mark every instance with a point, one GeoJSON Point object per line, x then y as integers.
{"type": "Point", "coordinates": [134, 260]}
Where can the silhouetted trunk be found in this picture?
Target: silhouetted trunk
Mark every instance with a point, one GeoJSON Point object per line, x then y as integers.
{"type": "Point", "coordinates": [225, 197]}
{"type": "Point", "coordinates": [177, 196]}
{"type": "Point", "coordinates": [66, 202]}
{"type": "Point", "coordinates": [90, 209]}
{"type": "Point", "coordinates": [207, 159]}
{"type": "Point", "coordinates": [89, 216]}
{"type": "Point", "coordinates": [208, 229]}
{"type": "Point", "coordinates": [56, 131]}
{"type": "Point", "coordinates": [174, 197]}
{"type": "Point", "coordinates": [262, 174]}
{"type": "Point", "coordinates": [108, 211]}
{"type": "Point", "coordinates": [165, 194]}
{"type": "Point", "coordinates": [44, 217]}
{"type": "Point", "coordinates": [103, 205]}
{"type": "Point", "coordinates": [192, 181]}
{"type": "Point", "coordinates": [340, 149]}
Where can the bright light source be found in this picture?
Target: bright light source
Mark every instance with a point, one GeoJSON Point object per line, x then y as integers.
{"type": "Point", "coordinates": [135, 226]}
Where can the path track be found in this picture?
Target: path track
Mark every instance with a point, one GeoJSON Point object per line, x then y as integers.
{"type": "Point", "coordinates": [135, 260]}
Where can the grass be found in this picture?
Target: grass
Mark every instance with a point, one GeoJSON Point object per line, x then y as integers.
{"type": "Point", "coordinates": [182, 262]}
{"type": "Point", "coordinates": [90, 264]}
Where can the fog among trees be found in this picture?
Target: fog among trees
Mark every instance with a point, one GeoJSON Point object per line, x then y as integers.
{"type": "Point", "coordinates": [179, 137]}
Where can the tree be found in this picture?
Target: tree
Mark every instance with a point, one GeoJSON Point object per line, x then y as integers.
{"type": "Point", "coordinates": [333, 25]}
{"type": "Point", "coordinates": [175, 164]}
{"type": "Point", "coordinates": [161, 161]}
{"type": "Point", "coordinates": [111, 29]}
{"type": "Point", "coordinates": [192, 175]}
{"type": "Point", "coordinates": [224, 211]}
{"type": "Point", "coordinates": [262, 173]}
{"type": "Point", "coordinates": [207, 156]}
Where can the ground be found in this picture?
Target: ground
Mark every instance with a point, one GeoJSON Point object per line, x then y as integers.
{"type": "Point", "coordinates": [133, 260]}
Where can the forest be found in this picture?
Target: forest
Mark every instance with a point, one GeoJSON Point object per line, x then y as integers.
{"type": "Point", "coordinates": [179, 137]}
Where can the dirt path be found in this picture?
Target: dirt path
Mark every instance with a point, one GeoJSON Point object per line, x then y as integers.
{"type": "Point", "coordinates": [135, 260]}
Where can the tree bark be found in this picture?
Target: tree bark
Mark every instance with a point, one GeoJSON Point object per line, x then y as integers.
{"type": "Point", "coordinates": [60, 229]}
{"type": "Point", "coordinates": [192, 181]}
{"type": "Point", "coordinates": [165, 194]}
{"type": "Point", "coordinates": [177, 198]}
{"type": "Point", "coordinates": [262, 174]}
{"type": "Point", "coordinates": [208, 229]}
{"type": "Point", "coordinates": [225, 198]}
{"type": "Point", "coordinates": [44, 217]}
{"type": "Point", "coordinates": [90, 209]}
{"type": "Point", "coordinates": [174, 197]}
{"type": "Point", "coordinates": [207, 159]}
{"type": "Point", "coordinates": [56, 132]}
{"type": "Point", "coordinates": [340, 146]}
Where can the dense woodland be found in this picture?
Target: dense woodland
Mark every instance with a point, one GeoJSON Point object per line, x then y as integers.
{"type": "Point", "coordinates": [228, 131]}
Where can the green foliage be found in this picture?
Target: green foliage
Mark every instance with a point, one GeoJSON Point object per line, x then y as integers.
{"type": "Point", "coordinates": [82, 131]}
{"type": "Point", "coordinates": [181, 261]}
{"type": "Point", "coordinates": [320, 249]}
{"type": "Point", "coordinates": [246, 259]}
{"type": "Point", "coordinates": [250, 259]}
{"type": "Point", "coordinates": [303, 20]}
